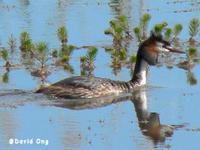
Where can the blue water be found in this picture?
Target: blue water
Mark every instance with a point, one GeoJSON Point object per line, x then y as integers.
{"type": "Point", "coordinates": [115, 126]}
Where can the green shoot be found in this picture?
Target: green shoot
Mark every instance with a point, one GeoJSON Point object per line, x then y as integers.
{"type": "Point", "coordinates": [168, 34]}
{"type": "Point", "coordinates": [194, 27]}
{"type": "Point", "coordinates": [138, 34]}
{"type": "Point", "coordinates": [108, 31]}
{"type": "Point", "coordinates": [191, 78]}
{"type": "Point", "coordinates": [192, 51]}
{"type": "Point", "coordinates": [118, 30]}
{"type": "Point", "coordinates": [158, 28]}
{"type": "Point", "coordinates": [5, 77]}
{"type": "Point", "coordinates": [64, 55]}
{"type": "Point", "coordinates": [87, 62]}
{"type": "Point", "coordinates": [141, 31]}
{"type": "Point", "coordinates": [12, 43]}
{"type": "Point", "coordinates": [4, 54]}
{"type": "Point", "coordinates": [123, 54]}
{"type": "Point", "coordinates": [92, 52]}
{"type": "Point", "coordinates": [65, 59]}
{"type": "Point", "coordinates": [25, 42]}
{"type": "Point", "coordinates": [123, 22]}
{"type": "Point", "coordinates": [41, 49]}
{"type": "Point", "coordinates": [177, 30]}
{"type": "Point", "coordinates": [68, 68]}
{"type": "Point", "coordinates": [62, 34]}
{"type": "Point", "coordinates": [144, 21]}
{"type": "Point", "coordinates": [83, 60]}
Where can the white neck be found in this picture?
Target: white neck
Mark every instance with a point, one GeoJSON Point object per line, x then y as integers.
{"type": "Point", "coordinates": [140, 72]}
{"type": "Point", "coordinates": [143, 75]}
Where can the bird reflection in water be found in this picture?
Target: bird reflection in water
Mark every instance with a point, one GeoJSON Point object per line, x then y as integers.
{"type": "Point", "coordinates": [149, 122]}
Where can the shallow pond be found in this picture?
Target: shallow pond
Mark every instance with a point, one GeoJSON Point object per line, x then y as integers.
{"type": "Point", "coordinates": [25, 115]}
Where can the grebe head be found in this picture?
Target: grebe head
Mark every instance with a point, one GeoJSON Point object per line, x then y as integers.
{"type": "Point", "coordinates": [150, 49]}
{"type": "Point", "coordinates": [148, 54]}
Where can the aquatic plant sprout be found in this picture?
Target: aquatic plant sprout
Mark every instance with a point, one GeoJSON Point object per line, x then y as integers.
{"type": "Point", "coordinates": [26, 44]}
{"type": "Point", "coordinates": [123, 22]}
{"type": "Point", "coordinates": [5, 56]}
{"type": "Point", "coordinates": [138, 34]}
{"type": "Point", "coordinates": [41, 49]}
{"type": "Point", "coordinates": [141, 30]}
{"type": "Point", "coordinates": [12, 44]}
{"type": "Point", "coordinates": [64, 54]}
{"type": "Point", "coordinates": [90, 56]}
{"type": "Point", "coordinates": [177, 30]}
{"type": "Point", "coordinates": [144, 21]}
{"type": "Point", "coordinates": [192, 51]}
{"type": "Point", "coordinates": [194, 27]}
{"type": "Point", "coordinates": [5, 77]}
{"type": "Point", "coordinates": [159, 28]}
{"type": "Point", "coordinates": [62, 34]}
{"type": "Point", "coordinates": [92, 53]}
{"type": "Point", "coordinates": [48, 41]}
{"type": "Point", "coordinates": [162, 28]}
{"type": "Point", "coordinates": [191, 78]}
{"type": "Point", "coordinates": [168, 34]}
{"type": "Point", "coordinates": [87, 62]}
{"type": "Point", "coordinates": [118, 29]}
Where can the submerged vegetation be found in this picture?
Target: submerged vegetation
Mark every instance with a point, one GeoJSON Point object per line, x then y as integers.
{"type": "Point", "coordinates": [141, 30]}
{"type": "Point", "coordinates": [177, 30]}
{"type": "Point", "coordinates": [12, 44]}
{"type": "Point", "coordinates": [39, 56]}
{"type": "Point", "coordinates": [62, 35]}
{"type": "Point", "coordinates": [26, 44]}
{"type": "Point", "coordinates": [169, 34]}
{"type": "Point", "coordinates": [119, 31]}
{"type": "Point", "coordinates": [5, 77]}
{"type": "Point", "coordinates": [5, 56]}
{"type": "Point", "coordinates": [64, 53]}
{"type": "Point", "coordinates": [43, 43]}
{"type": "Point", "coordinates": [87, 62]}
{"type": "Point", "coordinates": [194, 28]}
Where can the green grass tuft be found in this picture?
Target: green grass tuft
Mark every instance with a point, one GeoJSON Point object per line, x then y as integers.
{"type": "Point", "coordinates": [4, 54]}
{"type": "Point", "coordinates": [177, 29]}
{"type": "Point", "coordinates": [62, 34]}
{"type": "Point", "coordinates": [194, 27]}
{"type": "Point", "coordinates": [168, 33]}
{"type": "Point", "coordinates": [26, 44]}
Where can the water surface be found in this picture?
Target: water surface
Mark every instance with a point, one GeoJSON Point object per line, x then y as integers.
{"type": "Point", "coordinates": [27, 115]}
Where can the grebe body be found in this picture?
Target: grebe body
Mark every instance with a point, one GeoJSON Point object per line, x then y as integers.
{"type": "Point", "coordinates": [93, 87]}
{"type": "Point", "coordinates": [86, 87]}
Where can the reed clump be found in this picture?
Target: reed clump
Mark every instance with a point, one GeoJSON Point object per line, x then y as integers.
{"type": "Point", "coordinates": [5, 57]}
{"type": "Point", "coordinates": [41, 57]}
{"type": "Point", "coordinates": [26, 45]}
{"type": "Point", "coordinates": [87, 62]}
{"type": "Point", "coordinates": [63, 55]}
{"type": "Point", "coordinates": [194, 28]}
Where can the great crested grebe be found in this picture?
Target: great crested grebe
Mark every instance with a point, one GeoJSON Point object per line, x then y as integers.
{"type": "Point", "coordinates": [81, 87]}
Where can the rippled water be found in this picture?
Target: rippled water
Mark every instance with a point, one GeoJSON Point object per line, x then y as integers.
{"type": "Point", "coordinates": [25, 115]}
